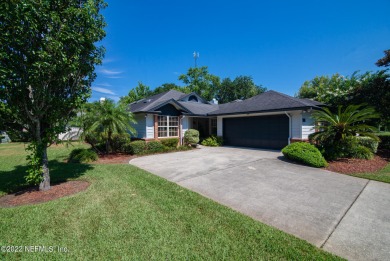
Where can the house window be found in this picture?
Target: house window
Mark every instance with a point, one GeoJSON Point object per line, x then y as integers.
{"type": "Point", "coordinates": [193, 98]}
{"type": "Point", "coordinates": [214, 126]}
{"type": "Point", "coordinates": [168, 126]}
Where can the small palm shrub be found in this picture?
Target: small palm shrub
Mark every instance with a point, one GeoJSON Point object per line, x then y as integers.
{"type": "Point", "coordinates": [170, 142]}
{"type": "Point", "coordinates": [82, 156]}
{"type": "Point", "coordinates": [304, 153]}
{"type": "Point", "coordinates": [191, 136]}
{"type": "Point", "coordinates": [135, 147]}
{"type": "Point", "coordinates": [336, 137]}
{"type": "Point", "coordinates": [368, 143]}
{"type": "Point", "coordinates": [154, 146]}
{"type": "Point", "coordinates": [213, 141]}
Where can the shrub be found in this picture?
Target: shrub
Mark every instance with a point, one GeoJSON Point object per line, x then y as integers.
{"type": "Point", "coordinates": [191, 136]}
{"type": "Point", "coordinates": [368, 143]}
{"type": "Point", "coordinates": [135, 147]}
{"type": "Point", "coordinates": [82, 156]}
{"type": "Point", "coordinates": [155, 146]}
{"type": "Point", "coordinates": [18, 136]}
{"type": "Point", "coordinates": [183, 148]}
{"type": "Point", "coordinates": [118, 142]}
{"type": "Point", "coordinates": [361, 152]}
{"type": "Point", "coordinates": [384, 144]}
{"type": "Point", "coordinates": [170, 143]}
{"type": "Point", "coordinates": [304, 153]}
{"type": "Point", "coordinates": [349, 147]}
{"type": "Point", "coordinates": [213, 141]}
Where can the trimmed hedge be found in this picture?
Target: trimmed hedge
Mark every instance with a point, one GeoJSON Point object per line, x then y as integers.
{"type": "Point", "coordinates": [170, 142]}
{"type": "Point", "coordinates": [213, 141]}
{"type": "Point", "coordinates": [304, 153]}
{"type": "Point", "coordinates": [119, 142]}
{"type": "Point", "coordinates": [155, 146]}
{"type": "Point", "coordinates": [368, 143]}
{"type": "Point", "coordinates": [135, 147]}
{"type": "Point", "coordinates": [191, 136]}
{"type": "Point", "coordinates": [384, 144]}
{"type": "Point", "coordinates": [82, 156]}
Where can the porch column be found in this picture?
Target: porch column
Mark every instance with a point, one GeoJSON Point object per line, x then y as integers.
{"type": "Point", "coordinates": [180, 130]}
{"type": "Point", "coordinates": [155, 127]}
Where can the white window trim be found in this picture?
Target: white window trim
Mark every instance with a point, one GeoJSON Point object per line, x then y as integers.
{"type": "Point", "coordinates": [168, 125]}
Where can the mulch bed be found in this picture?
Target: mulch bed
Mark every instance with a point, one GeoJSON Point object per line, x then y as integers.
{"type": "Point", "coordinates": [34, 196]}
{"type": "Point", "coordinates": [353, 166]}
{"type": "Point", "coordinates": [114, 159]}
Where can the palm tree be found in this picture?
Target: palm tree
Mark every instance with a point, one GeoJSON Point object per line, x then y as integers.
{"type": "Point", "coordinates": [107, 118]}
{"type": "Point", "coordinates": [344, 123]}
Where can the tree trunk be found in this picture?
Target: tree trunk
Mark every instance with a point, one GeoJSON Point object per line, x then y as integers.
{"type": "Point", "coordinates": [45, 183]}
{"type": "Point", "coordinates": [107, 147]}
{"type": "Point", "coordinates": [109, 142]}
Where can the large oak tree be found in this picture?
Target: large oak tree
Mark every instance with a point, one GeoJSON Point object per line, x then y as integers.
{"type": "Point", "coordinates": [48, 54]}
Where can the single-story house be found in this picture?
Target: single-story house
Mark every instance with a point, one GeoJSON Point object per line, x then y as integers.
{"type": "Point", "coordinates": [5, 138]}
{"type": "Point", "coordinates": [269, 120]}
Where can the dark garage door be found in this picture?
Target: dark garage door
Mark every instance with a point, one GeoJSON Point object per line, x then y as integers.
{"type": "Point", "coordinates": [270, 132]}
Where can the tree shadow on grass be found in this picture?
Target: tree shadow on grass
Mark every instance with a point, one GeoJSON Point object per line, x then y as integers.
{"type": "Point", "coordinates": [13, 181]}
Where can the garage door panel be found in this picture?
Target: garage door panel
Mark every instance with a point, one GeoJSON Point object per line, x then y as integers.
{"type": "Point", "coordinates": [259, 132]}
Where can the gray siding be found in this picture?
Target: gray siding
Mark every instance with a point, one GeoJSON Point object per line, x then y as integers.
{"type": "Point", "coordinates": [308, 125]}
{"type": "Point", "coordinates": [296, 125]}
{"type": "Point", "coordinates": [150, 126]}
{"type": "Point", "coordinates": [140, 127]}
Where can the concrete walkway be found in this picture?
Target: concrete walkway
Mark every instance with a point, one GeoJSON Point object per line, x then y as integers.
{"type": "Point", "coordinates": [345, 215]}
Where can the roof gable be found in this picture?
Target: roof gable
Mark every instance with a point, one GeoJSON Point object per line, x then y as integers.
{"type": "Point", "coordinates": [150, 102]}
{"type": "Point", "coordinates": [186, 97]}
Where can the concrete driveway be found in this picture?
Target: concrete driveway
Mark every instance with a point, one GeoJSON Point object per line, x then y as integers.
{"type": "Point", "coordinates": [344, 215]}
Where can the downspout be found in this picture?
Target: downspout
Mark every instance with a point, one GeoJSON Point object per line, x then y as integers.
{"type": "Point", "coordinates": [289, 127]}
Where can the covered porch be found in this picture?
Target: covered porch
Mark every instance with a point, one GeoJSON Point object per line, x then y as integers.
{"type": "Point", "coordinates": [206, 126]}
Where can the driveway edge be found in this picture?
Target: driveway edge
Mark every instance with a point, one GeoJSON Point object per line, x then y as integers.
{"type": "Point", "coordinates": [345, 213]}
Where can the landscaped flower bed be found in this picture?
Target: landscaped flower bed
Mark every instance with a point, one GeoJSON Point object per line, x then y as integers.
{"type": "Point", "coordinates": [352, 166]}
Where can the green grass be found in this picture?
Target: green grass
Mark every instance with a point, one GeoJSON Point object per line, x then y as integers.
{"type": "Point", "coordinates": [129, 214]}
{"type": "Point", "coordinates": [382, 175]}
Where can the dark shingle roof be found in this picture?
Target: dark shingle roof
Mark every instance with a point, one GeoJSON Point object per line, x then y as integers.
{"type": "Point", "coordinates": [151, 102]}
{"type": "Point", "coordinates": [268, 101]}
{"type": "Point", "coordinates": [199, 108]}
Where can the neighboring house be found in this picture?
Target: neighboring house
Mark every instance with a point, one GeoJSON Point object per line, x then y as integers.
{"type": "Point", "coordinates": [5, 138]}
{"type": "Point", "coordinates": [269, 120]}
{"type": "Point", "coordinates": [72, 134]}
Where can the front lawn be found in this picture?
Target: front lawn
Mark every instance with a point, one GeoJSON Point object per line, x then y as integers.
{"type": "Point", "coordinates": [129, 214]}
{"type": "Point", "coordinates": [380, 175]}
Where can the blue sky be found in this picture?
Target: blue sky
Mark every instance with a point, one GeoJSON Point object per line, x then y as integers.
{"type": "Point", "coordinates": [279, 43]}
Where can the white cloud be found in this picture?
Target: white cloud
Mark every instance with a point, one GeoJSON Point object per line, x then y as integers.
{"type": "Point", "coordinates": [103, 90]}
{"type": "Point", "coordinates": [108, 60]}
{"type": "Point", "coordinates": [115, 98]}
{"type": "Point", "coordinates": [114, 77]}
{"type": "Point", "coordinates": [104, 84]}
{"type": "Point", "coordinates": [109, 72]}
